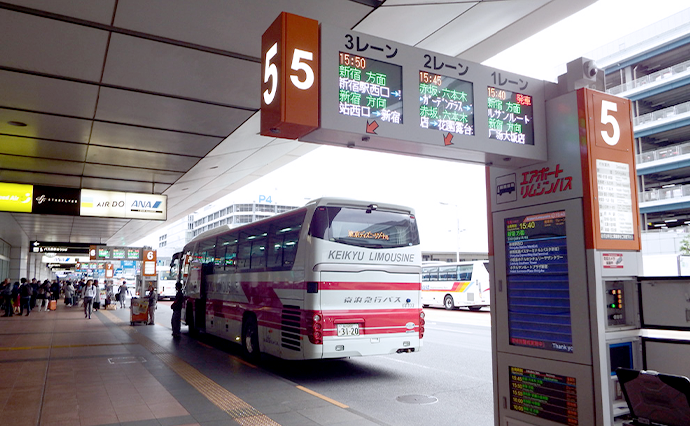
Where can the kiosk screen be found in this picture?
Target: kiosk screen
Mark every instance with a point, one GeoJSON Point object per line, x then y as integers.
{"type": "Point", "coordinates": [537, 281]}
{"type": "Point", "coordinates": [544, 395]}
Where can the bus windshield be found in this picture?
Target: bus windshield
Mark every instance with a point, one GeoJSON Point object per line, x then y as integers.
{"type": "Point", "coordinates": [364, 227]}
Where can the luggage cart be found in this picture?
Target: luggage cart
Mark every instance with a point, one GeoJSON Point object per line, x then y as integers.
{"type": "Point", "coordinates": [138, 311]}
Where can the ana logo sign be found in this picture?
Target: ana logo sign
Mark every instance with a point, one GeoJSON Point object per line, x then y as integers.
{"type": "Point", "coordinates": [146, 204]}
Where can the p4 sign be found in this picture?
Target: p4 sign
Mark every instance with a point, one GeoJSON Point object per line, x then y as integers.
{"type": "Point", "coordinates": [290, 77]}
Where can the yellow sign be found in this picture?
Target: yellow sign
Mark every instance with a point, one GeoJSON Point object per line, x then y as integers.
{"type": "Point", "coordinates": [15, 197]}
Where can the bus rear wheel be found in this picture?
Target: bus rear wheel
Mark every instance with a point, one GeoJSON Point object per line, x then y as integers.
{"type": "Point", "coordinates": [448, 302]}
{"type": "Point", "coordinates": [250, 338]}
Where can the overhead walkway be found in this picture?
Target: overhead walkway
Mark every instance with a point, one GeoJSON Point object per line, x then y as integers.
{"type": "Point", "coordinates": [58, 368]}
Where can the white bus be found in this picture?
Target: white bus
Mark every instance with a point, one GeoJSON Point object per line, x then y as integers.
{"type": "Point", "coordinates": [333, 279]}
{"type": "Point", "coordinates": [454, 285]}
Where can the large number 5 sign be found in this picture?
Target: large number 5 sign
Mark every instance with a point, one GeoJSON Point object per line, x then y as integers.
{"type": "Point", "coordinates": [607, 108]}
{"type": "Point", "coordinates": [611, 120]}
{"type": "Point", "coordinates": [290, 80]}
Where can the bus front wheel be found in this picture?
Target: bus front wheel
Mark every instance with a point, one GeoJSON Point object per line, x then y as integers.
{"type": "Point", "coordinates": [448, 302]}
{"type": "Point", "coordinates": [250, 338]}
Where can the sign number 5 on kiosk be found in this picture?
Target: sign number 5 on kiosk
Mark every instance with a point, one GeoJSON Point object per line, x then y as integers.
{"type": "Point", "coordinates": [607, 118]}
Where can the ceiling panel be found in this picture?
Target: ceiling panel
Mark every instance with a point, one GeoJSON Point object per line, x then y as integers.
{"type": "Point", "coordinates": [123, 185]}
{"type": "Point", "coordinates": [51, 47]}
{"type": "Point", "coordinates": [45, 126]}
{"type": "Point", "coordinates": [163, 141]}
{"type": "Point", "coordinates": [482, 21]}
{"type": "Point", "coordinates": [131, 173]}
{"type": "Point", "coordinates": [167, 69]}
{"type": "Point", "coordinates": [42, 165]}
{"type": "Point", "coordinates": [163, 112]}
{"type": "Point", "coordinates": [228, 28]}
{"type": "Point", "coordinates": [35, 178]}
{"type": "Point", "coordinates": [34, 93]}
{"type": "Point", "coordinates": [140, 159]}
{"type": "Point", "coordinates": [410, 29]}
{"type": "Point", "coordinates": [93, 10]}
{"type": "Point", "coordinates": [40, 148]}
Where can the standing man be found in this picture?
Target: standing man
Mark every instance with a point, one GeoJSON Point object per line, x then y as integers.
{"type": "Point", "coordinates": [153, 297]}
{"type": "Point", "coordinates": [89, 294]}
{"type": "Point", "coordinates": [123, 291]}
{"type": "Point", "coordinates": [7, 297]}
{"type": "Point", "coordinates": [25, 293]}
{"type": "Point", "coordinates": [177, 310]}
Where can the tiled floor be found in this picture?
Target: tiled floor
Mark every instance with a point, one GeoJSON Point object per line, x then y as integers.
{"type": "Point", "coordinates": [58, 368]}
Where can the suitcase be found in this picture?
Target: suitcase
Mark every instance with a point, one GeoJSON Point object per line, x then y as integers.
{"type": "Point", "coordinates": [52, 305]}
{"type": "Point", "coordinates": [97, 305]}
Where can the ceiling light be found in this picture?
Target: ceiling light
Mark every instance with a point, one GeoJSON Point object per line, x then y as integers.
{"type": "Point", "coordinates": [659, 225]}
{"type": "Point", "coordinates": [669, 186]}
{"type": "Point", "coordinates": [214, 167]}
{"type": "Point", "coordinates": [17, 123]}
{"type": "Point", "coordinates": [670, 220]}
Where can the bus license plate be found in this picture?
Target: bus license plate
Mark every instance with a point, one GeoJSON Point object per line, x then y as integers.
{"type": "Point", "coordinates": [348, 329]}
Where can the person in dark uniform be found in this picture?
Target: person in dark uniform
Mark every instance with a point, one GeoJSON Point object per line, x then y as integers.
{"type": "Point", "coordinates": [177, 310]}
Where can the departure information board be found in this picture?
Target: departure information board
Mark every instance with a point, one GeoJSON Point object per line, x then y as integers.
{"type": "Point", "coordinates": [510, 116]}
{"type": "Point", "coordinates": [548, 396]}
{"type": "Point", "coordinates": [446, 103]}
{"type": "Point", "coordinates": [537, 281]}
{"type": "Point", "coordinates": [370, 88]}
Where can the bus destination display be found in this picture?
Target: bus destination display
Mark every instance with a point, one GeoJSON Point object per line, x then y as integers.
{"type": "Point", "coordinates": [446, 103]}
{"type": "Point", "coordinates": [510, 116]}
{"type": "Point", "coordinates": [370, 88]}
{"type": "Point", "coordinates": [537, 281]}
{"type": "Point", "coordinates": [548, 396]}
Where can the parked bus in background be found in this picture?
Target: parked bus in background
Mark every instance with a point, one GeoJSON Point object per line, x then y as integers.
{"type": "Point", "coordinates": [166, 284]}
{"type": "Point", "coordinates": [333, 279]}
{"type": "Point", "coordinates": [454, 285]}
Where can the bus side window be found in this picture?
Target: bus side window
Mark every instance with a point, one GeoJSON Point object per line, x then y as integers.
{"type": "Point", "coordinates": [433, 274]}
{"type": "Point", "coordinates": [228, 245]}
{"type": "Point", "coordinates": [244, 252]}
{"type": "Point", "coordinates": [464, 273]}
{"type": "Point", "coordinates": [258, 253]}
{"type": "Point", "coordinates": [448, 273]}
{"type": "Point", "coordinates": [282, 242]}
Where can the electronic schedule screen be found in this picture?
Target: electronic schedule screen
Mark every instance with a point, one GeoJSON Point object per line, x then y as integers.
{"type": "Point", "coordinates": [446, 103]}
{"type": "Point", "coordinates": [510, 116]}
{"type": "Point", "coordinates": [537, 282]}
{"type": "Point", "coordinates": [370, 88]}
{"type": "Point", "coordinates": [544, 395]}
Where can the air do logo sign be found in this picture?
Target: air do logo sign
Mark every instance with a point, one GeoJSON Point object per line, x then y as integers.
{"type": "Point", "coordinates": [123, 204]}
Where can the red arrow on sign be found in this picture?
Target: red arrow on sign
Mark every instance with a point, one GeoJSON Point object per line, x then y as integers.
{"type": "Point", "coordinates": [371, 127]}
{"type": "Point", "coordinates": [448, 139]}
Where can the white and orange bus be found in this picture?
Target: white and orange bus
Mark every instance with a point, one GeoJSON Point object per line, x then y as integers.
{"type": "Point", "coordinates": [457, 284]}
{"type": "Point", "coordinates": [335, 278]}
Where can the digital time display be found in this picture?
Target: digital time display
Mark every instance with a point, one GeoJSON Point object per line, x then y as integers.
{"type": "Point", "coordinates": [544, 395]}
{"type": "Point", "coordinates": [537, 281]}
{"type": "Point", "coordinates": [510, 116]}
{"type": "Point", "coordinates": [370, 88]}
{"type": "Point", "coordinates": [134, 254]}
{"type": "Point", "coordinates": [446, 103]}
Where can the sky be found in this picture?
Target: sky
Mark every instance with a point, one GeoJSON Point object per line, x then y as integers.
{"type": "Point", "coordinates": [449, 198]}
